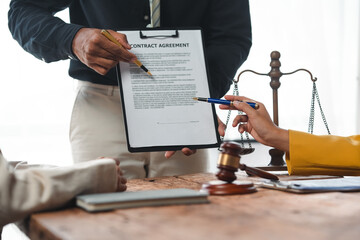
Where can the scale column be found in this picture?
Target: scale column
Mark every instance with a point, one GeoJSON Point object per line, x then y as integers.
{"type": "Point", "coordinates": [275, 74]}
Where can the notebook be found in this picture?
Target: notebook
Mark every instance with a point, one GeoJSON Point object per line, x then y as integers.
{"type": "Point", "coordinates": [109, 201]}
{"type": "Point", "coordinates": [345, 184]}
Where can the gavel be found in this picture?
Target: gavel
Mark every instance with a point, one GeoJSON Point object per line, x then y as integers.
{"type": "Point", "coordinates": [229, 163]}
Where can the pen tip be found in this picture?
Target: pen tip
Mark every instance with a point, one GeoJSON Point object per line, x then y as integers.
{"type": "Point", "coordinates": [195, 98]}
{"type": "Point", "coordinates": [148, 72]}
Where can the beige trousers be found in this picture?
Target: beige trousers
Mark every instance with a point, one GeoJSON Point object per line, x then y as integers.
{"type": "Point", "coordinates": [97, 130]}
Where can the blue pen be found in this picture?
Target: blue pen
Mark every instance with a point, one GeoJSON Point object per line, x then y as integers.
{"type": "Point", "coordinates": [223, 101]}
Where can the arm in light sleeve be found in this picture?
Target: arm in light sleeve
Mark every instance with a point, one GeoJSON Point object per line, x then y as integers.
{"type": "Point", "coordinates": [228, 42]}
{"type": "Point", "coordinates": [26, 191]}
{"type": "Point", "coordinates": [33, 25]}
{"type": "Point", "coordinates": [327, 154]}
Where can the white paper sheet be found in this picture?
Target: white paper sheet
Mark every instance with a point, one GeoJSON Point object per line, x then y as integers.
{"type": "Point", "coordinates": [159, 109]}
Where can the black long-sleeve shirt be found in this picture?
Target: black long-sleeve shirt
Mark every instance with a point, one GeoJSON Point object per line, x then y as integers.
{"type": "Point", "coordinates": [225, 23]}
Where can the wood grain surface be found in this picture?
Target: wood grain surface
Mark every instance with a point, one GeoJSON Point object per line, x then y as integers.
{"type": "Point", "coordinates": [266, 214]}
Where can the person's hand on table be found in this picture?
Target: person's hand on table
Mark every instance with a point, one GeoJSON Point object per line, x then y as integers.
{"type": "Point", "coordinates": [97, 52]}
{"type": "Point", "coordinates": [188, 151]}
{"type": "Point", "coordinates": [258, 123]}
{"type": "Point", "coordinates": [121, 180]}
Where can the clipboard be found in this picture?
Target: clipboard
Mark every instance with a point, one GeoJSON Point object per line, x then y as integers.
{"type": "Point", "coordinates": [159, 112]}
{"type": "Point", "coordinates": [339, 184]}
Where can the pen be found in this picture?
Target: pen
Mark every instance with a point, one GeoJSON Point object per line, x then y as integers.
{"type": "Point", "coordinates": [111, 38]}
{"type": "Point", "coordinates": [223, 101]}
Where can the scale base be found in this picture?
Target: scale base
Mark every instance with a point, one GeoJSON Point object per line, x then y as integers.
{"type": "Point", "coordinates": [223, 188]}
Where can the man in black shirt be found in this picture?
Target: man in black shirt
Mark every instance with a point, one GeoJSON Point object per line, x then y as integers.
{"type": "Point", "coordinates": [97, 111]}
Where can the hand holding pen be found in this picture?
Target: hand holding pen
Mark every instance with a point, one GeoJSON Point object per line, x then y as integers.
{"type": "Point", "coordinates": [257, 122]}
{"type": "Point", "coordinates": [97, 52]}
{"type": "Point", "coordinates": [108, 35]}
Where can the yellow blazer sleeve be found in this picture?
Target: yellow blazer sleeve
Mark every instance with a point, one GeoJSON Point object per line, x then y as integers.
{"type": "Point", "coordinates": [330, 155]}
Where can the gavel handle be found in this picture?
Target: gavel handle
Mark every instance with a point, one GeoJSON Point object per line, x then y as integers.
{"type": "Point", "coordinates": [258, 172]}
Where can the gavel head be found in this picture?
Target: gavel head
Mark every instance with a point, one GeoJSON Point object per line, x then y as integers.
{"type": "Point", "coordinates": [229, 161]}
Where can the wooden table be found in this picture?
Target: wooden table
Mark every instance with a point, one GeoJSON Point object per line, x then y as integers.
{"type": "Point", "coordinates": [266, 214]}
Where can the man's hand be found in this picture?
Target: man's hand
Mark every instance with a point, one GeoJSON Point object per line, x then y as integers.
{"type": "Point", "coordinates": [185, 151]}
{"type": "Point", "coordinates": [221, 127]}
{"type": "Point", "coordinates": [97, 52]}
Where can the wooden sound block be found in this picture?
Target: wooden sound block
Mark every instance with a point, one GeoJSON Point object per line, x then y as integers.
{"type": "Point", "coordinates": [223, 188]}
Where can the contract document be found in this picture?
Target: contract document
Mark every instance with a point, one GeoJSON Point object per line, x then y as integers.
{"type": "Point", "coordinates": [159, 111]}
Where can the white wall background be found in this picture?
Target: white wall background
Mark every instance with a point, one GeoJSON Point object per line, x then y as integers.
{"type": "Point", "coordinates": [35, 102]}
{"type": "Point", "coordinates": [320, 35]}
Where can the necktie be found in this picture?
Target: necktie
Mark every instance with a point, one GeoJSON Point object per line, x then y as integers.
{"type": "Point", "coordinates": [155, 13]}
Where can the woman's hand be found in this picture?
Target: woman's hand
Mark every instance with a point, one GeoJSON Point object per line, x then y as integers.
{"type": "Point", "coordinates": [258, 123]}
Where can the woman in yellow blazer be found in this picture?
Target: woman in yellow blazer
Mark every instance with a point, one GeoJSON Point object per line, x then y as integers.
{"type": "Point", "coordinates": [306, 154]}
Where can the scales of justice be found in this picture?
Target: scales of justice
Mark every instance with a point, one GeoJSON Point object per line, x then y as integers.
{"type": "Point", "coordinates": [231, 152]}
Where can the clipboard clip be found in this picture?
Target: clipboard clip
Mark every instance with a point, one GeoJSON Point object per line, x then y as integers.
{"type": "Point", "coordinates": [175, 35]}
